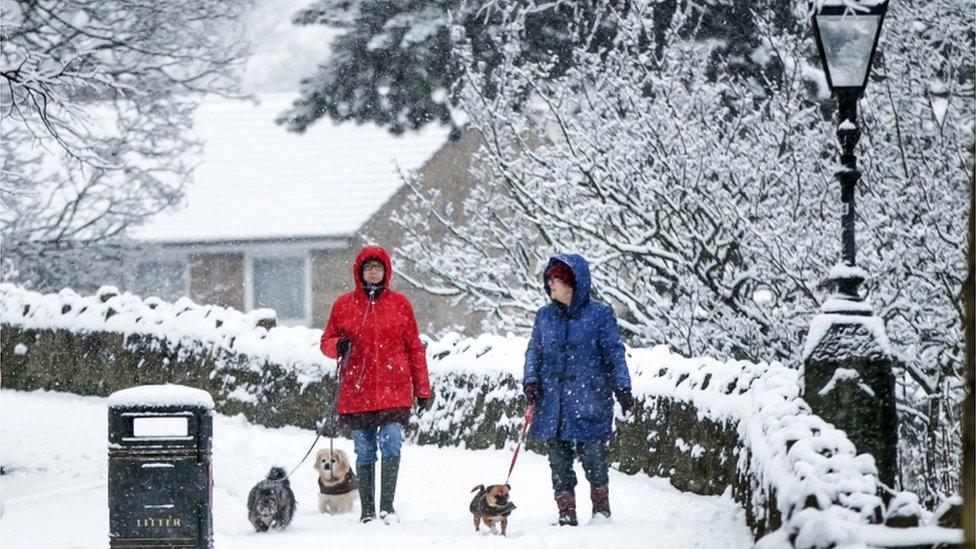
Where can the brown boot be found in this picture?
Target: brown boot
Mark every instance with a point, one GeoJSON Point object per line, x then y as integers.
{"type": "Point", "coordinates": [566, 501]}
{"type": "Point", "coordinates": [600, 496]}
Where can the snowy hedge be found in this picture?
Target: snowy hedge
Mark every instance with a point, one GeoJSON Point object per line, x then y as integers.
{"type": "Point", "coordinates": [707, 425]}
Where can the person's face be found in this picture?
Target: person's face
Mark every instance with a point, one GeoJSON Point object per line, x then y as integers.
{"type": "Point", "coordinates": [560, 291]}
{"type": "Point", "coordinates": [373, 272]}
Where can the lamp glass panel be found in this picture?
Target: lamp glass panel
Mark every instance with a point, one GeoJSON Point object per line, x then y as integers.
{"type": "Point", "coordinates": [847, 42]}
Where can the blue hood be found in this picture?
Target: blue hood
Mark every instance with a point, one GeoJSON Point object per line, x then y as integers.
{"type": "Point", "coordinates": [581, 274]}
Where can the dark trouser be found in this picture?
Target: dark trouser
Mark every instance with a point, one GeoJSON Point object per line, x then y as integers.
{"type": "Point", "coordinates": [593, 456]}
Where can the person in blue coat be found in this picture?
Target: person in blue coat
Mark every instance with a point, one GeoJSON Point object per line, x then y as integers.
{"type": "Point", "coordinates": [574, 365]}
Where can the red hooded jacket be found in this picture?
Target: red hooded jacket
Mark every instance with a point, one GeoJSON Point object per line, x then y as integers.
{"type": "Point", "coordinates": [387, 365]}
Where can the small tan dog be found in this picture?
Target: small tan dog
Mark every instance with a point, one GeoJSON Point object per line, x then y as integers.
{"type": "Point", "coordinates": [338, 485]}
{"type": "Point", "coordinates": [491, 506]}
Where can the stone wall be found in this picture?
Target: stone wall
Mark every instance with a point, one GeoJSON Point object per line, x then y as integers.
{"type": "Point", "coordinates": [708, 426]}
{"type": "Point", "coordinates": [664, 437]}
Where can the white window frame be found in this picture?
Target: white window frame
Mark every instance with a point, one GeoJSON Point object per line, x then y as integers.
{"type": "Point", "coordinates": [272, 252]}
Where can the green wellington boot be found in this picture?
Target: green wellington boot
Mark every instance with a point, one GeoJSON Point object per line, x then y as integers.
{"type": "Point", "coordinates": [367, 492]}
{"type": "Point", "coordinates": [389, 469]}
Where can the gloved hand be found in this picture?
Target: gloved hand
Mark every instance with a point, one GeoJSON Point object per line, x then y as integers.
{"type": "Point", "coordinates": [343, 346]}
{"type": "Point", "coordinates": [626, 400]}
{"type": "Point", "coordinates": [323, 428]}
{"type": "Point", "coordinates": [531, 391]}
{"type": "Point", "coordinates": [422, 404]}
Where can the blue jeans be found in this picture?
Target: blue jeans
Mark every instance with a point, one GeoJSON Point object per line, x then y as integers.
{"type": "Point", "coordinates": [593, 456]}
{"type": "Point", "coordinates": [387, 438]}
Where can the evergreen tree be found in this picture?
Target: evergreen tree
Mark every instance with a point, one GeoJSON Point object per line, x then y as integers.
{"type": "Point", "coordinates": [395, 62]}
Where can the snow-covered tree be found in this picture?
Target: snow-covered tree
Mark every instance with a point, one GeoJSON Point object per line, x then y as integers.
{"type": "Point", "coordinates": [706, 201]}
{"type": "Point", "coordinates": [918, 160]}
{"type": "Point", "coordinates": [96, 121]}
{"type": "Point", "coordinates": [662, 176]}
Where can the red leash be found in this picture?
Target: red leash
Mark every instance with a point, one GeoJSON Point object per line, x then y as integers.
{"type": "Point", "coordinates": [525, 427]}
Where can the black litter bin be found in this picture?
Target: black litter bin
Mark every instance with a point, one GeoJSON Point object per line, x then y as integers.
{"type": "Point", "coordinates": [159, 467]}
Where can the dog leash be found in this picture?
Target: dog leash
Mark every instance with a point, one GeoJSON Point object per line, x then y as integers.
{"type": "Point", "coordinates": [318, 434]}
{"type": "Point", "coordinates": [308, 453]}
{"type": "Point", "coordinates": [525, 427]}
{"type": "Point", "coordinates": [332, 418]}
{"type": "Point", "coordinates": [340, 361]}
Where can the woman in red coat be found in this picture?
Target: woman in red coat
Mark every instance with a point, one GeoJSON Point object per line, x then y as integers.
{"type": "Point", "coordinates": [383, 370]}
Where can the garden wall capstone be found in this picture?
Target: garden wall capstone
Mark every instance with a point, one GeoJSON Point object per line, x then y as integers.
{"type": "Point", "coordinates": [710, 426]}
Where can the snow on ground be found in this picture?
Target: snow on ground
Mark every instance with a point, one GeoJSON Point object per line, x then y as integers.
{"type": "Point", "coordinates": [54, 491]}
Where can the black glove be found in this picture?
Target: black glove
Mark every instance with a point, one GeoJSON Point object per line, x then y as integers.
{"type": "Point", "coordinates": [422, 404]}
{"type": "Point", "coordinates": [343, 346]}
{"type": "Point", "coordinates": [325, 429]}
{"type": "Point", "coordinates": [531, 391]}
{"type": "Point", "coordinates": [626, 400]}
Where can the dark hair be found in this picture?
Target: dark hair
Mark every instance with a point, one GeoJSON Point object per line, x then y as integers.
{"type": "Point", "coordinates": [561, 271]}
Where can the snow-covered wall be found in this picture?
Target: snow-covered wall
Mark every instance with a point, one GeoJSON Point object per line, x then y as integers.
{"type": "Point", "coordinates": [706, 424]}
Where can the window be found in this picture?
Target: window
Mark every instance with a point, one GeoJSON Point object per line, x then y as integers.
{"type": "Point", "coordinates": [164, 279]}
{"type": "Point", "coordinates": [279, 284]}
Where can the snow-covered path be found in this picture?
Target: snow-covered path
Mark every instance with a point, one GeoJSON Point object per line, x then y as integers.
{"type": "Point", "coordinates": [54, 491]}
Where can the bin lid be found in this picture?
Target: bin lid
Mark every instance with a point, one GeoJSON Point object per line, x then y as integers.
{"type": "Point", "coordinates": [158, 396]}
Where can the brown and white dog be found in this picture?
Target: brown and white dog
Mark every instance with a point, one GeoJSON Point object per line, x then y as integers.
{"type": "Point", "coordinates": [491, 506]}
{"type": "Point", "coordinates": [338, 485]}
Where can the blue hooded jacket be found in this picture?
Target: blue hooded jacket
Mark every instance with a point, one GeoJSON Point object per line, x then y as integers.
{"type": "Point", "coordinates": [576, 356]}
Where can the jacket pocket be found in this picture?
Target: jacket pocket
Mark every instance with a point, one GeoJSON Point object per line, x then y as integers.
{"type": "Point", "coordinates": [596, 400]}
{"type": "Point", "coordinates": [401, 369]}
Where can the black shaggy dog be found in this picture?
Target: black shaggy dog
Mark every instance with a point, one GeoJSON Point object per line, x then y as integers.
{"type": "Point", "coordinates": [271, 503]}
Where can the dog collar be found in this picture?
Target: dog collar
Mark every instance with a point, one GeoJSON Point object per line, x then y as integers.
{"type": "Point", "coordinates": [490, 510]}
{"type": "Point", "coordinates": [347, 485]}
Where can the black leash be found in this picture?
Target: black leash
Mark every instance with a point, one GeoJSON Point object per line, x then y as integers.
{"type": "Point", "coordinates": [308, 453]}
{"type": "Point", "coordinates": [335, 405]}
{"type": "Point", "coordinates": [318, 433]}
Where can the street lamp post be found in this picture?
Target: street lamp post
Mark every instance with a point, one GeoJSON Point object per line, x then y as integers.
{"type": "Point", "coordinates": [847, 39]}
{"type": "Point", "coordinates": [848, 377]}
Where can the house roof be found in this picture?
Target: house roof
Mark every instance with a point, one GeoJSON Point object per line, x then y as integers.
{"type": "Point", "coordinates": [258, 181]}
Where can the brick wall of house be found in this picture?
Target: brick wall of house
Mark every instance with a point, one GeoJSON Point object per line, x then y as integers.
{"type": "Point", "coordinates": [331, 277]}
{"type": "Point", "coordinates": [448, 171]}
{"type": "Point", "coordinates": [217, 278]}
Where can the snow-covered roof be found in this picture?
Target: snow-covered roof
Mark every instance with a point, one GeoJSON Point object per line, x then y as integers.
{"type": "Point", "coordinates": [258, 181]}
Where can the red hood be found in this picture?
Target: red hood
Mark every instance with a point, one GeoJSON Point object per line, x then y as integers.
{"type": "Point", "coordinates": [372, 252]}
